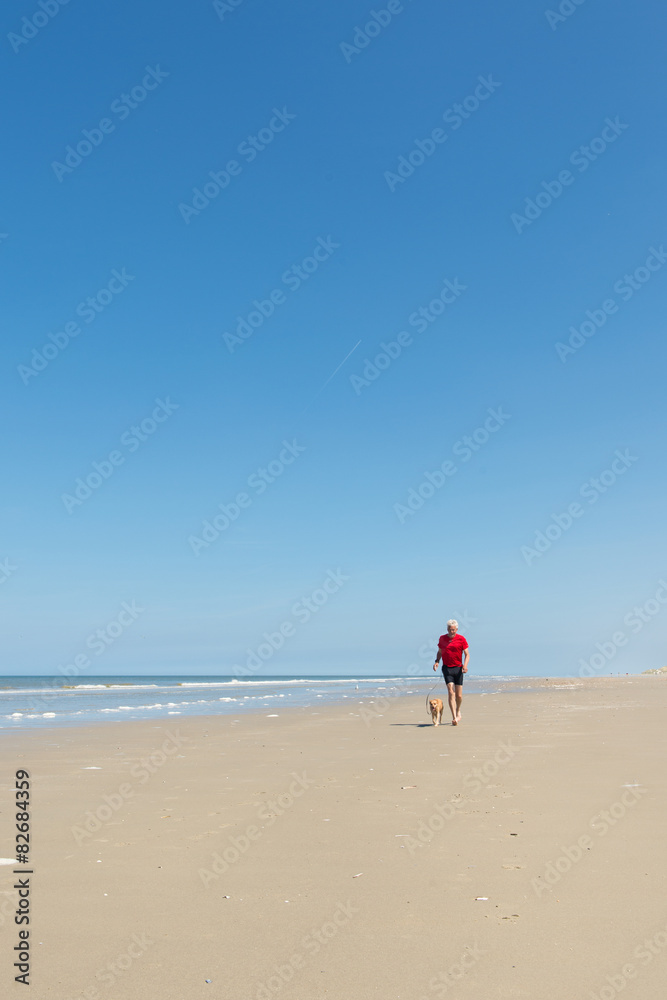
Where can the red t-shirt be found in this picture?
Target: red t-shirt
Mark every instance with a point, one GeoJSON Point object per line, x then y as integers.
{"type": "Point", "coordinates": [452, 650]}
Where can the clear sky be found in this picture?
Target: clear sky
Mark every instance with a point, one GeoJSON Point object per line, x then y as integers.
{"type": "Point", "coordinates": [498, 167]}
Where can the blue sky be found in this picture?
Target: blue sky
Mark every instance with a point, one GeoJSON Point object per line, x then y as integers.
{"type": "Point", "coordinates": [169, 95]}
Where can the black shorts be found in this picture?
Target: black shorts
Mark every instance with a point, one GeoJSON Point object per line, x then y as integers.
{"type": "Point", "coordinates": [453, 675]}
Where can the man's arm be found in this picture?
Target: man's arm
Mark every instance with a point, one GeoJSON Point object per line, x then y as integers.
{"type": "Point", "coordinates": [466, 657]}
{"type": "Point", "coordinates": [437, 659]}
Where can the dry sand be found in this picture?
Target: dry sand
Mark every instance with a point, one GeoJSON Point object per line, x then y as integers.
{"type": "Point", "coordinates": [324, 855]}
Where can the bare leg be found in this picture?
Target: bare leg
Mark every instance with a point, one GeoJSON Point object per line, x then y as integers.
{"type": "Point", "coordinates": [452, 703]}
{"type": "Point", "coordinates": [459, 699]}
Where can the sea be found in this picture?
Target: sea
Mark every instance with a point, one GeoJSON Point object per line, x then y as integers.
{"type": "Point", "coordinates": [45, 702]}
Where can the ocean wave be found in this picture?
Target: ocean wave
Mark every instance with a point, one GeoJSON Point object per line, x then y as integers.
{"type": "Point", "coordinates": [61, 689]}
{"type": "Point", "coordinates": [129, 687]}
{"type": "Point", "coordinates": [68, 705]}
{"type": "Point", "coordinates": [284, 682]}
{"type": "Point", "coordinates": [108, 687]}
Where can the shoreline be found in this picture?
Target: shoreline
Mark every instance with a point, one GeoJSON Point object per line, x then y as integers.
{"type": "Point", "coordinates": [381, 857]}
{"type": "Point", "coordinates": [513, 686]}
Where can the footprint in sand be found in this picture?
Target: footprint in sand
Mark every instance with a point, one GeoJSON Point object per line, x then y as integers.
{"type": "Point", "coordinates": [513, 918]}
{"type": "Point", "coordinates": [513, 866]}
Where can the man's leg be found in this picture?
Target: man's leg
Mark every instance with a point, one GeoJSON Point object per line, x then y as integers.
{"type": "Point", "coordinates": [452, 702]}
{"type": "Point", "coordinates": [459, 699]}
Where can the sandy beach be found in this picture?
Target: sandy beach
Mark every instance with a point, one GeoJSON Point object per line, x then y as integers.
{"type": "Point", "coordinates": [350, 853]}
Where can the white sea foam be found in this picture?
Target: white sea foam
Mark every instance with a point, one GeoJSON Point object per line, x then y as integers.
{"type": "Point", "coordinates": [129, 687]}
{"type": "Point", "coordinates": [98, 699]}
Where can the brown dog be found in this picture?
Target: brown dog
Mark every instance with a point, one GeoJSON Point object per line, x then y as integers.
{"type": "Point", "coordinates": [436, 707]}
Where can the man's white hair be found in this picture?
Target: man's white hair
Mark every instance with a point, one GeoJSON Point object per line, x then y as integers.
{"type": "Point", "coordinates": [452, 621]}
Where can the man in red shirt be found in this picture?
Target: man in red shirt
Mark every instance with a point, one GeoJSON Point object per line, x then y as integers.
{"type": "Point", "coordinates": [455, 654]}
